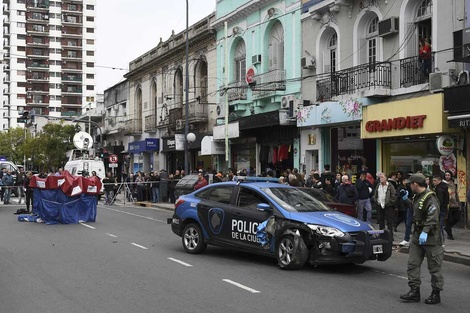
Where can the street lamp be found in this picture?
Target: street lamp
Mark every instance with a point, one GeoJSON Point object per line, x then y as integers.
{"type": "Point", "coordinates": [186, 125]}
{"type": "Point", "coordinates": [190, 138]}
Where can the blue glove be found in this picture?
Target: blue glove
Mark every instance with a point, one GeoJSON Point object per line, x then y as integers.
{"type": "Point", "coordinates": [404, 194]}
{"type": "Point", "coordinates": [422, 238]}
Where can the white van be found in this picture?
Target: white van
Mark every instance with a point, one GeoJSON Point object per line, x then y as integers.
{"type": "Point", "coordinates": [80, 166]}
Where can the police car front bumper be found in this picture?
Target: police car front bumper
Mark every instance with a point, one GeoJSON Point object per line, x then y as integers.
{"type": "Point", "coordinates": [369, 245]}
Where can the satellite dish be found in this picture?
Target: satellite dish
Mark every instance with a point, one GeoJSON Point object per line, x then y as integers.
{"type": "Point", "coordinates": [82, 140]}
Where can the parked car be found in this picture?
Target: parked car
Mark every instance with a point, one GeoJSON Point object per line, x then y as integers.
{"type": "Point", "coordinates": [331, 202]}
{"type": "Point", "coordinates": [299, 227]}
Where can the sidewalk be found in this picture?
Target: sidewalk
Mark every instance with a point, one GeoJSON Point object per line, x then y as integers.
{"type": "Point", "coordinates": [456, 251]}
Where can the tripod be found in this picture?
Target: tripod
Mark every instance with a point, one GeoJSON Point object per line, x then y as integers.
{"type": "Point", "coordinates": [127, 192]}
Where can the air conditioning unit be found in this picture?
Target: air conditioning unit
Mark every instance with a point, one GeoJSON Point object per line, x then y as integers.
{"type": "Point", "coordinates": [179, 124]}
{"type": "Point", "coordinates": [388, 26]}
{"type": "Point", "coordinates": [308, 63]}
{"type": "Point", "coordinates": [438, 81]}
{"type": "Point", "coordinates": [220, 110]}
{"type": "Point", "coordinates": [256, 59]}
{"type": "Point", "coordinates": [463, 78]}
{"type": "Point", "coordinates": [462, 44]}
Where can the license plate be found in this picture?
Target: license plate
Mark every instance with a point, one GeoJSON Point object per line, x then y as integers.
{"type": "Point", "coordinates": [377, 249]}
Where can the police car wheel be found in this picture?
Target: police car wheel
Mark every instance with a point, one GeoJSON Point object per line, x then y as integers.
{"type": "Point", "coordinates": [286, 254]}
{"type": "Point", "coordinates": [193, 239]}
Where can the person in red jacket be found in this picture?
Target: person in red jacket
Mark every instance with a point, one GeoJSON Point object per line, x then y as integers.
{"type": "Point", "coordinates": [201, 181]}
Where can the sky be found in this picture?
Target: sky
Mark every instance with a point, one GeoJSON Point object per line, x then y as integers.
{"type": "Point", "coordinates": [126, 29]}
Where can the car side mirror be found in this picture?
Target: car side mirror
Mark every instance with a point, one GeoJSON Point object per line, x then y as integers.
{"type": "Point", "coordinates": [264, 207]}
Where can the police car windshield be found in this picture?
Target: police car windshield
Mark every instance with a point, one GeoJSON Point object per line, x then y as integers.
{"type": "Point", "coordinates": [294, 200]}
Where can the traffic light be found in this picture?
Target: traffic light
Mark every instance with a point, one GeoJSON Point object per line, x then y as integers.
{"type": "Point", "coordinates": [23, 118]}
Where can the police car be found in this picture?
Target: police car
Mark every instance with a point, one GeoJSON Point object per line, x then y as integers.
{"type": "Point", "coordinates": [276, 220]}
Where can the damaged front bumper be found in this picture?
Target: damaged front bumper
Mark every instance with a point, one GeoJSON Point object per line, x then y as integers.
{"type": "Point", "coordinates": [353, 248]}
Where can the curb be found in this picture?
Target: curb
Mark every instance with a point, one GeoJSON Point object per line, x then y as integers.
{"type": "Point", "coordinates": [454, 257]}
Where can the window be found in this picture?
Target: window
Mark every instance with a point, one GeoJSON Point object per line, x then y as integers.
{"type": "Point", "coordinates": [20, 25]}
{"type": "Point", "coordinates": [276, 47]}
{"type": "Point", "coordinates": [21, 61]}
{"type": "Point", "coordinates": [90, 19]}
{"type": "Point", "coordinates": [240, 61]}
{"type": "Point", "coordinates": [21, 13]}
{"type": "Point", "coordinates": [372, 33]}
{"type": "Point", "coordinates": [332, 45]}
{"type": "Point", "coordinates": [21, 96]}
{"type": "Point", "coordinates": [90, 87]}
{"type": "Point", "coordinates": [424, 9]}
{"type": "Point", "coordinates": [90, 76]}
{"type": "Point", "coordinates": [21, 84]}
{"type": "Point", "coordinates": [21, 48]}
{"type": "Point", "coordinates": [21, 37]}
{"type": "Point", "coordinates": [221, 194]}
{"type": "Point", "coordinates": [21, 73]}
{"type": "Point", "coordinates": [90, 64]}
{"type": "Point", "coordinates": [90, 30]}
{"type": "Point", "coordinates": [90, 99]}
{"type": "Point", "coordinates": [90, 7]}
{"type": "Point", "coordinates": [90, 41]}
{"type": "Point", "coordinates": [250, 199]}
{"type": "Point", "coordinates": [90, 53]}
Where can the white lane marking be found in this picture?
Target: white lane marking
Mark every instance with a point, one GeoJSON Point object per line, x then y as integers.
{"type": "Point", "coordinates": [111, 235]}
{"type": "Point", "coordinates": [137, 215]}
{"type": "Point", "coordinates": [393, 275]}
{"type": "Point", "coordinates": [89, 226]}
{"type": "Point", "coordinates": [180, 262]}
{"type": "Point", "coordinates": [241, 286]}
{"type": "Point", "coordinates": [139, 246]}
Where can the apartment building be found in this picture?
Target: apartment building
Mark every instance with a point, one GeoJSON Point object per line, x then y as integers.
{"type": "Point", "coordinates": [48, 58]}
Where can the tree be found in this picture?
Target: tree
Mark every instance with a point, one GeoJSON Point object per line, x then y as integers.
{"type": "Point", "coordinates": [13, 144]}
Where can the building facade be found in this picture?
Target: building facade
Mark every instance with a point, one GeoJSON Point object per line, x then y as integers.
{"type": "Point", "coordinates": [157, 102]}
{"type": "Point", "coordinates": [48, 58]}
{"type": "Point", "coordinates": [258, 59]}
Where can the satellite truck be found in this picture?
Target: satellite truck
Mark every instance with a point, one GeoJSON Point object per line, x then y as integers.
{"type": "Point", "coordinates": [82, 160]}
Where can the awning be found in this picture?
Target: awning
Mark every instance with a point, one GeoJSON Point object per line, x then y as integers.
{"type": "Point", "coordinates": [211, 147]}
{"type": "Point", "coordinates": [457, 121]}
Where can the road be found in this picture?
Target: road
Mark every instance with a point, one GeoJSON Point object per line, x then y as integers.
{"type": "Point", "coordinates": [130, 261]}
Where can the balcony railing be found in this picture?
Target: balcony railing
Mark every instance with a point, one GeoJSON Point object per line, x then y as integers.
{"type": "Point", "coordinates": [237, 91]}
{"type": "Point", "coordinates": [354, 79]}
{"type": "Point", "coordinates": [150, 123]}
{"type": "Point", "coordinates": [175, 114]}
{"type": "Point", "coordinates": [268, 83]}
{"type": "Point", "coordinates": [133, 126]}
{"type": "Point", "coordinates": [414, 71]}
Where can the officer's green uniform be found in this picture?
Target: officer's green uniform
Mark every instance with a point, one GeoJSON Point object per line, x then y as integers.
{"type": "Point", "coordinates": [426, 218]}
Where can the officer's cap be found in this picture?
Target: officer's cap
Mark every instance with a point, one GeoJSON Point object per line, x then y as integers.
{"type": "Point", "coordinates": [417, 178]}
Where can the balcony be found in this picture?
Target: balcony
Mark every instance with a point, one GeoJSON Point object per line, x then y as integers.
{"type": "Point", "coordinates": [197, 112]}
{"type": "Point", "coordinates": [71, 55]}
{"type": "Point", "coordinates": [175, 114]}
{"type": "Point", "coordinates": [71, 8]}
{"type": "Point", "coordinates": [70, 113]}
{"type": "Point", "coordinates": [72, 79]}
{"type": "Point", "coordinates": [72, 67]}
{"type": "Point", "coordinates": [37, 76]}
{"type": "Point", "coordinates": [37, 100]}
{"type": "Point", "coordinates": [71, 20]}
{"type": "Point", "coordinates": [114, 124]}
{"type": "Point", "coordinates": [37, 66]}
{"type": "Point", "coordinates": [37, 17]}
{"type": "Point", "coordinates": [151, 123]}
{"type": "Point", "coordinates": [268, 84]}
{"type": "Point", "coordinates": [41, 5]}
{"type": "Point", "coordinates": [72, 44]}
{"type": "Point", "coordinates": [71, 90]}
{"type": "Point", "coordinates": [370, 80]}
{"type": "Point", "coordinates": [237, 91]}
{"type": "Point", "coordinates": [68, 31]}
{"type": "Point", "coordinates": [36, 29]}
{"type": "Point", "coordinates": [133, 127]}
{"type": "Point", "coordinates": [413, 72]}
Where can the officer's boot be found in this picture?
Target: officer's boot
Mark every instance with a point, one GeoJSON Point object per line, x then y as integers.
{"type": "Point", "coordinates": [434, 298]}
{"type": "Point", "coordinates": [412, 295]}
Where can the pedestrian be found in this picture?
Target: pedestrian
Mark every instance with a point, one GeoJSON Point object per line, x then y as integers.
{"type": "Point", "coordinates": [385, 198]}
{"type": "Point", "coordinates": [316, 181]}
{"type": "Point", "coordinates": [346, 193]}
{"type": "Point", "coordinates": [109, 182]}
{"type": "Point", "coordinates": [20, 177]}
{"type": "Point", "coordinates": [171, 187]}
{"type": "Point", "coordinates": [442, 193]}
{"type": "Point", "coordinates": [364, 189]}
{"type": "Point", "coordinates": [201, 181]}
{"type": "Point", "coordinates": [29, 191]}
{"type": "Point", "coordinates": [2, 189]}
{"type": "Point", "coordinates": [425, 58]}
{"type": "Point", "coordinates": [328, 186]}
{"type": "Point", "coordinates": [425, 241]}
{"type": "Point", "coordinates": [453, 216]}
{"type": "Point", "coordinates": [405, 196]}
{"type": "Point", "coordinates": [402, 196]}
{"type": "Point", "coordinates": [140, 185]}
{"type": "Point", "coordinates": [154, 181]}
{"type": "Point", "coordinates": [8, 182]}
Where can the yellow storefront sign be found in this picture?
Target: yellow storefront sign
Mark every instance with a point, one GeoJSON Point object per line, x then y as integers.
{"type": "Point", "coordinates": [410, 117]}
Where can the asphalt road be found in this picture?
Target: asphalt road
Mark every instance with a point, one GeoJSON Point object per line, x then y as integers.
{"type": "Point", "coordinates": [130, 261]}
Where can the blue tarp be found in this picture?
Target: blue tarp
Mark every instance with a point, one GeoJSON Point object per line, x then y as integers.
{"type": "Point", "coordinates": [53, 207]}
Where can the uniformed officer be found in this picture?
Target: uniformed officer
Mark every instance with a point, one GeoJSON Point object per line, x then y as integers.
{"type": "Point", "coordinates": [425, 241]}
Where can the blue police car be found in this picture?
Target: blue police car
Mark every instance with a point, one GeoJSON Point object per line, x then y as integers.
{"type": "Point", "coordinates": [276, 220]}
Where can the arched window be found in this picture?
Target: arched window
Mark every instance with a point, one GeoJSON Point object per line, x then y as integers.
{"type": "Point", "coordinates": [276, 47]}
{"type": "Point", "coordinates": [239, 60]}
{"type": "Point", "coordinates": [372, 33]}
{"type": "Point", "coordinates": [424, 9]}
{"type": "Point", "coordinates": [178, 89]}
{"type": "Point", "coordinates": [200, 80]}
{"type": "Point", "coordinates": [154, 96]}
{"type": "Point", "coordinates": [331, 58]}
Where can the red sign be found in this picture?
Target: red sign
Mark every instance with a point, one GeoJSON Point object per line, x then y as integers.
{"type": "Point", "coordinates": [395, 123]}
{"type": "Point", "coordinates": [113, 158]}
{"type": "Point", "coordinates": [250, 75]}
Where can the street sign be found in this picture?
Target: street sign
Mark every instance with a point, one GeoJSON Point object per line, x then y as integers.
{"type": "Point", "coordinates": [113, 165]}
{"type": "Point", "coordinates": [113, 158]}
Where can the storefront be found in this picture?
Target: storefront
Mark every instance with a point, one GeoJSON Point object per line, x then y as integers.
{"type": "Point", "coordinates": [173, 148]}
{"type": "Point", "coordinates": [143, 154]}
{"type": "Point", "coordinates": [412, 135]}
{"type": "Point", "coordinates": [330, 134]}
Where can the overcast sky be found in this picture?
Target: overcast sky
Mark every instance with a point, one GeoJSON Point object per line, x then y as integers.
{"type": "Point", "coordinates": [127, 29]}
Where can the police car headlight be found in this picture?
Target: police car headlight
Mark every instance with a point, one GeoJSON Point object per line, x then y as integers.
{"type": "Point", "coordinates": [326, 231]}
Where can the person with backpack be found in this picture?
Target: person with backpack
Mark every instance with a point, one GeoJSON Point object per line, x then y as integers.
{"type": "Point", "coordinates": [347, 193]}
{"type": "Point", "coordinates": [364, 188]}
{"type": "Point", "coordinates": [385, 198]}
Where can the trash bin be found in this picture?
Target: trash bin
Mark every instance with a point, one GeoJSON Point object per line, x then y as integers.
{"type": "Point", "coordinates": [163, 187]}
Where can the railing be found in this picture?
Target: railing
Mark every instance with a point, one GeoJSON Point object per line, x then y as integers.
{"type": "Point", "coordinates": [237, 91]}
{"type": "Point", "coordinates": [196, 111]}
{"type": "Point", "coordinates": [70, 113]}
{"type": "Point", "coordinates": [150, 123]}
{"type": "Point", "coordinates": [353, 79]}
{"type": "Point", "coordinates": [414, 71]}
{"type": "Point", "coordinates": [175, 114]}
{"type": "Point", "coordinates": [133, 126]}
{"type": "Point", "coordinates": [268, 83]}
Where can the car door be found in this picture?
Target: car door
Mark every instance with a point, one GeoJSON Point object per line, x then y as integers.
{"type": "Point", "coordinates": [245, 217]}
{"type": "Point", "coordinates": [214, 209]}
